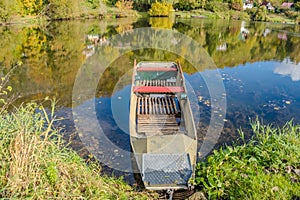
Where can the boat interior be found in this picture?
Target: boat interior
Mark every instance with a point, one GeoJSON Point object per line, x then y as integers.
{"type": "Point", "coordinates": [158, 110]}
{"type": "Point", "coordinates": [158, 114]}
{"type": "Point", "coordinates": [162, 130]}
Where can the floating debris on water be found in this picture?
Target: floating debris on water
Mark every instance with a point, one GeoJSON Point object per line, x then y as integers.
{"type": "Point", "coordinates": [288, 102]}
{"type": "Point", "coordinates": [206, 102]}
{"type": "Point", "coordinates": [200, 98]}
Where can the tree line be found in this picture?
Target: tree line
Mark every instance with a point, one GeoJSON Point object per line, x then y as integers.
{"type": "Point", "coordinates": [66, 9]}
{"type": "Point", "coordinates": [50, 9]}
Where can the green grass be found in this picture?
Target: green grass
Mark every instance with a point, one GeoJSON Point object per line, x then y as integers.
{"type": "Point", "coordinates": [267, 167]}
{"type": "Point", "coordinates": [233, 14]}
{"type": "Point", "coordinates": [277, 18]}
{"type": "Point", "coordinates": [35, 163]}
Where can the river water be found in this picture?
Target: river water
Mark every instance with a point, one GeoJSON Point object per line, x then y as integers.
{"type": "Point", "coordinates": [257, 65]}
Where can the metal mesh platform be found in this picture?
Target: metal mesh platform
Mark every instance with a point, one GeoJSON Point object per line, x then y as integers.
{"type": "Point", "coordinates": [166, 169]}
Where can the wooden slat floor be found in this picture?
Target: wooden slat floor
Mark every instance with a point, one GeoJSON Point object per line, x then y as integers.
{"type": "Point", "coordinates": [157, 115]}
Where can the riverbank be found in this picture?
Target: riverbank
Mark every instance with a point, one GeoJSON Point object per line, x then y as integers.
{"type": "Point", "coordinates": [235, 15]}
{"type": "Point", "coordinates": [84, 13]}
{"type": "Point", "coordinates": [266, 167]}
{"type": "Point", "coordinates": [37, 164]}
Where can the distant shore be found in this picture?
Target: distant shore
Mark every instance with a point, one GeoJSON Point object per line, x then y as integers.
{"type": "Point", "coordinates": [275, 18]}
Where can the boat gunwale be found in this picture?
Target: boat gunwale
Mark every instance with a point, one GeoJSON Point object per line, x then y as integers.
{"type": "Point", "coordinates": [136, 137]}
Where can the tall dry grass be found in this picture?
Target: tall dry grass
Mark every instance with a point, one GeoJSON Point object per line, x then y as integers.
{"type": "Point", "coordinates": [36, 164]}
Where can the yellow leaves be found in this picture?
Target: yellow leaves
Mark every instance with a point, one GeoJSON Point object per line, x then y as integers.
{"type": "Point", "coordinates": [124, 4]}
{"type": "Point", "coordinates": [160, 9]}
{"type": "Point", "coordinates": [31, 6]}
{"type": "Point", "coordinates": [161, 22]}
{"type": "Point", "coordinates": [9, 88]}
{"type": "Point", "coordinates": [19, 63]}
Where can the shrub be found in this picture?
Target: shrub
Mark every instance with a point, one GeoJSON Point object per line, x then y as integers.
{"type": "Point", "coordinates": [261, 14]}
{"type": "Point", "coordinates": [159, 9]}
{"type": "Point", "coordinates": [4, 13]}
{"type": "Point", "coordinates": [297, 6]}
{"type": "Point", "coordinates": [31, 7]}
{"type": "Point", "coordinates": [212, 6]}
{"type": "Point", "coordinates": [267, 167]}
{"type": "Point", "coordinates": [291, 14]}
{"type": "Point", "coordinates": [215, 6]}
{"type": "Point", "coordinates": [189, 5]}
{"type": "Point", "coordinates": [7, 9]}
{"type": "Point", "coordinates": [239, 15]}
{"type": "Point", "coordinates": [258, 14]}
{"type": "Point", "coordinates": [111, 2]}
{"type": "Point", "coordinates": [236, 5]}
{"type": "Point", "coordinates": [93, 3]}
{"type": "Point", "coordinates": [124, 4]}
{"type": "Point", "coordinates": [297, 20]}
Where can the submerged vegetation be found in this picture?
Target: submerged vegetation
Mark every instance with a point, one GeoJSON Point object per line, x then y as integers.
{"type": "Point", "coordinates": [266, 167]}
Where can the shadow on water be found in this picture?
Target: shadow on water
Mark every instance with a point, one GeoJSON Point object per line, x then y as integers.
{"type": "Point", "coordinates": [258, 63]}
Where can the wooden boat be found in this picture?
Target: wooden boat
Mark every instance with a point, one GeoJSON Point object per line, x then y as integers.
{"type": "Point", "coordinates": [162, 131]}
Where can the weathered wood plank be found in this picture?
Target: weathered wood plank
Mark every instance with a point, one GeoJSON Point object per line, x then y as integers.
{"type": "Point", "coordinates": [174, 105]}
{"type": "Point", "coordinates": [143, 99]}
{"type": "Point", "coordinates": [167, 106]}
{"type": "Point", "coordinates": [163, 106]}
{"type": "Point", "coordinates": [138, 105]}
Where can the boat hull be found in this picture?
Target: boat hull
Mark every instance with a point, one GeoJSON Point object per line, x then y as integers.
{"type": "Point", "coordinates": [162, 131]}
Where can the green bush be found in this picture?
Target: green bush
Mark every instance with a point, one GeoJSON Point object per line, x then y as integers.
{"type": "Point", "coordinates": [111, 2]}
{"type": "Point", "coordinates": [31, 7]}
{"type": "Point", "coordinates": [215, 6]}
{"type": "Point", "coordinates": [258, 14]}
{"type": "Point", "coordinates": [190, 5]}
{"type": "Point", "coordinates": [291, 14]}
{"type": "Point", "coordinates": [297, 6]}
{"type": "Point", "coordinates": [93, 3]}
{"type": "Point", "coordinates": [4, 13]}
{"type": "Point", "coordinates": [159, 9]}
{"type": "Point", "coordinates": [267, 167]}
{"type": "Point", "coordinates": [212, 6]}
{"type": "Point", "coordinates": [239, 15]}
{"type": "Point", "coordinates": [236, 5]}
{"type": "Point", "coordinates": [297, 21]}
{"type": "Point", "coordinates": [7, 9]}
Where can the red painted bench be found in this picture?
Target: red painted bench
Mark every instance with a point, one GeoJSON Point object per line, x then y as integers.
{"type": "Point", "coordinates": [157, 89]}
